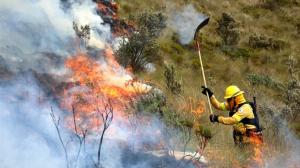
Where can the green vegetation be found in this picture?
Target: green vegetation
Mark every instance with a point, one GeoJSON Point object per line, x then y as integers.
{"type": "Point", "coordinates": [227, 30]}
{"type": "Point", "coordinates": [170, 78]}
{"type": "Point", "coordinates": [247, 43]}
{"type": "Point", "coordinates": [140, 48]}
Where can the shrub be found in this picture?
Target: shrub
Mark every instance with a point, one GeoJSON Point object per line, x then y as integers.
{"type": "Point", "coordinates": [256, 80]}
{"type": "Point", "coordinates": [261, 41]}
{"type": "Point", "coordinates": [170, 79]}
{"type": "Point", "coordinates": [82, 32]}
{"type": "Point", "coordinates": [227, 29]}
{"type": "Point", "coordinates": [140, 48]}
{"type": "Point", "coordinates": [276, 4]}
{"type": "Point", "coordinates": [289, 91]}
{"type": "Point", "coordinates": [236, 52]}
{"type": "Point", "coordinates": [151, 102]}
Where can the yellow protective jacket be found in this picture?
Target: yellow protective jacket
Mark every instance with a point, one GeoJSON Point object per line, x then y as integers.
{"type": "Point", "coordinates": [245, 111]}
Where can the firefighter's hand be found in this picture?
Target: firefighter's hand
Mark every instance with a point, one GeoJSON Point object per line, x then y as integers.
{"type": "Point", "coordinates": [207, 90]}
{"type": "Point", "coordinates": [213, 118]}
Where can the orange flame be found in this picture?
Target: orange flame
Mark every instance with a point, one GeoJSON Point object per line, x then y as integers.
{"type": "Point", "coordinates": [258, 154]}
{"type": "Point", "coordinates": [93, 82]}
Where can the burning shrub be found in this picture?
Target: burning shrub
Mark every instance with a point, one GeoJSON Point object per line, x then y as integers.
{"type": "Point", "coordinates": [227, 29]}
{"type": "Point", "coordinates": [140, 48]}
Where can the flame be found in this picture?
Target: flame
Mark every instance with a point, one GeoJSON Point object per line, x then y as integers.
{"type": "Point", "coordinates": [92, 82]}
{"type": "Point", "coordinates": [199, 109]}
{"type": "Point", "coordinates": [108, 10]}
{"type": "Point", "coordinates": [257, 149]}
{"type": "Point", "coordinates": [195, 106]}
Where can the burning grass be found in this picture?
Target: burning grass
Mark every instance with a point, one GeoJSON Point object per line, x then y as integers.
{"type": "Point", "coordinates": [93, 82]}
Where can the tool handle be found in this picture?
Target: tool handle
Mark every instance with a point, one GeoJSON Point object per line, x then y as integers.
{"type": "Point", "coordinates": [203, 74]}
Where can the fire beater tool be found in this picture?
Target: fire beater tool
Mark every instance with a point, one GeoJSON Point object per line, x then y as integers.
{"type": "Point", "coordinates": [200, 26]}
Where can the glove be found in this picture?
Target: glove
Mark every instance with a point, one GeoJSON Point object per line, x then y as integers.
{"type": "Point", "coordinates": [213, 118]}
{"type": "Point", "coordinates": [207, 90]}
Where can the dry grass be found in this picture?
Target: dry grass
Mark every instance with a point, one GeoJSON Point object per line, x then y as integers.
{"type": "Point", "coordinates": [221, 70]}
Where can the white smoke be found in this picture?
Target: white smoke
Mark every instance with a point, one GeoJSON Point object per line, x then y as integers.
{"type": "Point", "coordinates": [39, 35]}
{"type": "Point", "coordinates": [185, 22]}
{"type": "Point", "coordinates": [30, 28]}
{"type": "Point", "coordinates": [28, 138]}
{"type": "Point", "coordinates": [289, 158]}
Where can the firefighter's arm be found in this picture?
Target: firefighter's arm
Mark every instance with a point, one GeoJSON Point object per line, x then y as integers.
{"type": "Point", "coordinates": [242, 113]}
{"type": "Point", "coordinates": [220, 106]}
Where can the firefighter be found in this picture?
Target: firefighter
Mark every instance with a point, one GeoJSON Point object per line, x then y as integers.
{"type": "Point", "coordinates": [242, 115]}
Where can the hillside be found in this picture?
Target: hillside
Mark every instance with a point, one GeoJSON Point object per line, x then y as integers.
{"type": "Point", "coordinates": [117, 84]}
{"type": "Point", "coordinates": [253, 66]}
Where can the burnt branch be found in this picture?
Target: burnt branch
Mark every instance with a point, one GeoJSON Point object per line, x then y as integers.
{"type": "Point", "coordinates": [56, 122]}
{"type": "Point", "coordinates": [81, 137]}
{"type": "Point", "coordinates": [107, 116]}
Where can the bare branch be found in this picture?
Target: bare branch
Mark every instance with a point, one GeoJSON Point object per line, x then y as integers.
{"type": "Point", "coordinates": [107, 117]}
{"type": "Point", "coordinates": [56, 123]}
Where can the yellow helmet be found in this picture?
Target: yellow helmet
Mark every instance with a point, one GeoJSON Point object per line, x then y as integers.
{"type": "Point", "coordinates": [232, 91]}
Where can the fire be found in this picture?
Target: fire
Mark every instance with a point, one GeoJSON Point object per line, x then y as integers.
{"type": "Point", "coordinates": [257, 149]}
{"type": "Point", "coordinates": [93, 82]}
{"type": "Point", "coordinates": [199, 109]}
{"type": "Point", "coordinates": [108, 10]}
{"type": "Point", "coordinates": [195, 106]}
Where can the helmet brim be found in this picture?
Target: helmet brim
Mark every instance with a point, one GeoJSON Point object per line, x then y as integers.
{"type": "Point", "coordinates": [234, 95]}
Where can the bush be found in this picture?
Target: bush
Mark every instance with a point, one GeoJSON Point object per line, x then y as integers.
{"type": "Point", "coordinates": [151, 102]}
{"type": "Point", "coordinates": [140, 48]}
{"type": "Point", "coordinates": [236, 52]}
{"type": "Point", "coordinates": [289, 91]}
{"type": "Point", "coordinates": [82, 32]}
{"type": "Point", "coordinates": [227, 29]}
{"type": "Point", "coordinates": [276, 4]}
{"type": "Point", "coordinates": [261, 41]}
{"type": "Point", "coordinates": [256, 80]}
{"type": "Point", "coordinates": [170, 79]}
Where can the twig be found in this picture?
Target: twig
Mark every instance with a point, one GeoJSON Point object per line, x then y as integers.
{"type": "Point", "coordinates": [107, 117]}
{"type": "Point", "coordinates": [56, 123]}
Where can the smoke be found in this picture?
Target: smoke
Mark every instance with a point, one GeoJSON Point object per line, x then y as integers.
{"type": "Point", "coordinates": [38, 35]}
{"type": "Point", "coordinates": [185, 22]}
{"type": "Point", "coordinates": [31, 28]}
{"type": "Point", "coordinates": [290, 157]}
{"type": "Point", "coordinates": [28, 138]}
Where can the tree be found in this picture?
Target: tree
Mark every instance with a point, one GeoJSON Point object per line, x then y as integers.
{"type": "Point", "coordinates": [227, 29]}
{"type": "Point", "coordinates": [107, 116]}
{"type": "Point", "coordinates": [140, 48]}
{"type": "Point", "coordinates": [80, 136]}
{"type": "Point", "coordinates": [83, 33]}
